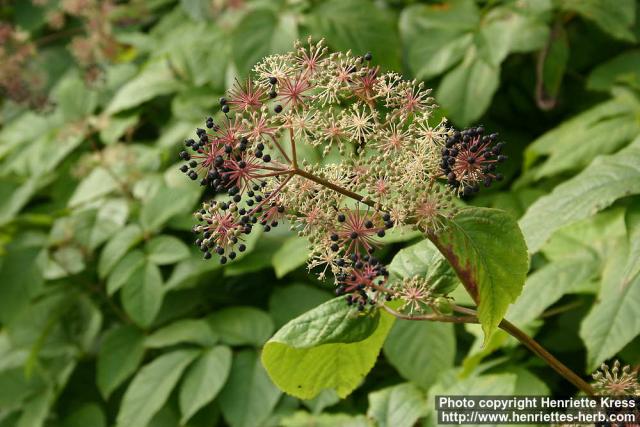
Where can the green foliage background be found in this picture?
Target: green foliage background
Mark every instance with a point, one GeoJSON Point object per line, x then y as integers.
{"type": "Point", "coordinates": [108, 314]}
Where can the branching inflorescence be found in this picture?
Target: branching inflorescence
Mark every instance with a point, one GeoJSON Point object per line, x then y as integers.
{"type": "Point", "coordinates": [384, 163]}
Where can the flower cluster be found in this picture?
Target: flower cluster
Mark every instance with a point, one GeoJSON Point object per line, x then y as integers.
{"type": "Point", "coordinates": [616, 381]}
{"type": "Point", "coordinates": [344, 153]}
{"type": "Point", "coordinates": [97, 43]}
{"type": "Point", "coordinates": [18, 81]}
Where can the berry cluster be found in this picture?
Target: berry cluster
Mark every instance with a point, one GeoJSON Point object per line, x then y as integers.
{"type": "Point", "coordinates": [361, 280]}
{"type": "Point", "coordinates": [469, 159]}
{"type": "Point", "coordinates": [356, 231]}
{"type": "Point", "coordinates": [224, 160]}
{"type": "Point", "coordinates": [386, 167]}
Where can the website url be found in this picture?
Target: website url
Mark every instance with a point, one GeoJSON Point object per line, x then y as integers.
{"type": "Point", "coordinates": [512, 417]}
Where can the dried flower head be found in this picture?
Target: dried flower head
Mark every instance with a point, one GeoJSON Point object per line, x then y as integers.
{"type": "Point", "coordinates": [393, 165]}
{"type": "Point", "coordinates": [18, 81]}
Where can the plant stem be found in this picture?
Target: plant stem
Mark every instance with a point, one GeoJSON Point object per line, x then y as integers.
{"type": "Point", "coordinates": [539, 351]}
{"type": "Point", "coordinates": [279, 147]}
{"type": "Point", "coordinates": [334, 187]}
{"type": "Point", "coordinates": [294, 155]}
{"type": "Point", "coordinates": [430, 317]}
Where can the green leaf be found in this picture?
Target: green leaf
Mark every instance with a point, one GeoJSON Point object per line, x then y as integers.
{"type": "Point", "coordinates": [249, 396]}
{"type": "Point", "coordinates": [190, 48]}
{"type": "Point", "coordinates": [63, 262]}
{"type": "Point", "coordinates": [548, 284]}
{"type": "Point", "coordinates": [15, 387]}
{"type": "Point", "coordinates": [13, 197]}
{"type": "Point", "coordinates": [162, 250]}
{"type": "Point", "coordinates": [632, 267]}
{"type": "Point", "coordinates": [260, 250]}
{"type": "Point", "coordinates": [155, 79]}
{"type": "Point", "coordinates": [111, 217]}
{"type": "Point", "coordinates": [119, 356]}
{"type": "Point", "coordinates": [360, 26]}
{"type": "Point", "coordinates": [475, 385]}
{"type": "Point", "coordinates": [259, 33]}
{"type": "Point", "coordinates": [142, 295]}
{"type": "Point", "coordinates": [596, 234]}
{"type": "Point", "coordinates": [115, 127]}
{"type": "Point", "coordinates": [36, 409]}
{"type": "Point", "coordinates": [89, 414]}
{"type": "Point", "coordinates": [327, 397]}
{"type": "Point", "coordinates": [197, 10]}
{"type": "Point", "coordinates": [526, 24]}
{"type": "Point", "coordinates": [421, 351]}
{"type": "Point", "coordinates": [117, 247]}
{"type": "Point", "coordinates": [304, 419]}
{"type": "Point", "coordinates": [241, 325]}
{"type": "Point", "coordinates": [488, 252]}
{"type": "Point", "coordinates": [73, 98]}
{"type": "Point", "coordinates": [480, 348]}
{"type": "Point", "coordinates": [466, 92]}
{"type": "Point", "coordinates": [331, 346]}
{"type": "Point", "coordinates": [186, 273]}
{"type": "Point", "coordinates": [21, 279]}
{"type": "Point", "coordinates": [166, 203]}
{"type": "Point", "coordinates": [613, 16]}
{"type": "Point", "coordinates": [188, 104]}
{"type": "Point", "coordinates": [292, 254]}
{"type": "Point", "coordinates": [151, 388]}
{"type": "Point", "coordinates": [423, 259]}
{"type": "Point", "coordinates": [612, 323]}
{"type": "Point", "coordinates": [622, 69]}
{"type": "Point", "coordinates": [123, 271]}
{"type": "Point", "coordinates": [286, 303]}
{"type": "Point", "coordinates": [398, 406]}
{"type": "Point", "coordinates": [437, 36]}
{"type": "Point", "coordinates": [607, 179]}
{"type": "Point", "coordinates": [99, 183]}
{"type": "Point", "coordinates": [602, 129]}
{"type": "Point", "coordinates": [528, 384]}
{"type": "Point", "coordinates": [194, 331]}
{"type": "Point", "coordinates": [204, 380]}
{"type": "Point", "coordinates": [504, 31]}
